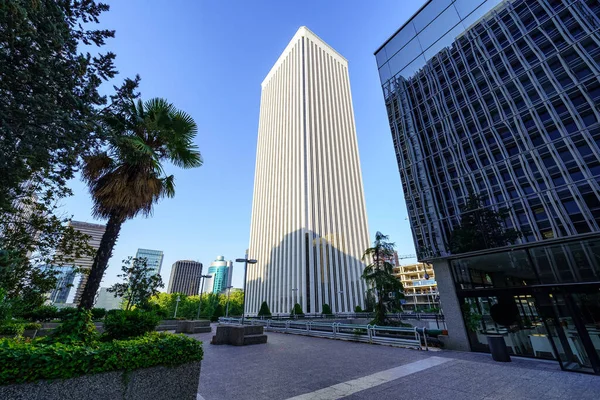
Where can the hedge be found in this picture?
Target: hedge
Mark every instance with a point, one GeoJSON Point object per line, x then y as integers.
{"type": "Point", "coordinates": [31, 361]}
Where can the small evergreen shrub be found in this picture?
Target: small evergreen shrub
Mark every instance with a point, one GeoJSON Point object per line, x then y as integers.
{"type": "Point", "coordinates": [31, 361]}
{"type": "Point", "coordinates": [264, 310]}
{"type": "Point", "coordinates": [358, 309]}
{"type": "Point", "coordinates": [98, 313]}
{"type": "Point", "coordinates": [123, 324]}
{"type": "Point", "coordinates": [297, 310]}
{"type": "Point", "coordinates": [326, 309]}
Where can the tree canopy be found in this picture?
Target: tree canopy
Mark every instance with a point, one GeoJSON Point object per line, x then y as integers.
{"type": "Point", "coordinates": [139, 283]}
{"type": "Point", "coordinates": [379, 276]}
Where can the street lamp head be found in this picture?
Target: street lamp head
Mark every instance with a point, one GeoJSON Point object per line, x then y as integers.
{"type": "Point", "coordinates": [245, 260]}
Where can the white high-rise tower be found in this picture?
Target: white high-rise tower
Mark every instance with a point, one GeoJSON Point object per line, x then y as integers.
{"type": "Point", "coordinates": [309, 224]}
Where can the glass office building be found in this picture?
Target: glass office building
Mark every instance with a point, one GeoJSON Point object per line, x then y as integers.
{"type": "Point", "coordinates": [493, 108]}
{"type": "Point", "coordinates": [154, 259]}
{"type": "Point", "coordinates": [220, 272]}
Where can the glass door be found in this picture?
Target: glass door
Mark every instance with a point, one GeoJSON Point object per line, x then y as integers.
{"type": "Point", "coordinates": [570, 319]}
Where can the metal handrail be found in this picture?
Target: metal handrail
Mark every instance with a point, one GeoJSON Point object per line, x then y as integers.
{"type": "Point", "coordinates": [390, 335]}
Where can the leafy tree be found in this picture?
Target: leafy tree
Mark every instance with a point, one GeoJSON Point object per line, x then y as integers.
{"type": "Point", "coordinates": [50, 110]}
{"type": "Point", "coordinates": [326, 310]}
{"type": "Point", "coordinates": [127, 178]}
{"type": "Point", "coordinates": [264, 310]}
{"type": "Point", "coordinates": [480, 228]}
{"type": "Point", "coordinates": [378, 274]}
{"type": "Point", "coordinates": [139, 284]}
{"type": "Point", "coordinates": [236, 301]}
{"type": "Point", "coordinates": [49, 89]}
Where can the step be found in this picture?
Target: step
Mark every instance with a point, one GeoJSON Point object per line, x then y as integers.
{"type": "Point", "coordinates": [255, 339]}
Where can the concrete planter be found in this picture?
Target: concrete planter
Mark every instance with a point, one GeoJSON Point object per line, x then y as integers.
{"type": "Point", "coordinates": [195, 326]}
{"type": "Point", "coordinates": [167, 325]}
{"type": "Point", "coordinates": [156, 383]}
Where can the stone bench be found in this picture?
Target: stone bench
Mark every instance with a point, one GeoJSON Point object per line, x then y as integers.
{"type": "Point", "coordinates": [238, 335]}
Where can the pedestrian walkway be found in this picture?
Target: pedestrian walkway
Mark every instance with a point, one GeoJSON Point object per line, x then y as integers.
{"type": "Point", "coordinates": [301, 368]}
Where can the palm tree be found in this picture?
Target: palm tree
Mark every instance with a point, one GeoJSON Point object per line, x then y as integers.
{"type": "Point", "coordinates": [127, 177]}
{"type": "Point", "coordinates": [379, 274]}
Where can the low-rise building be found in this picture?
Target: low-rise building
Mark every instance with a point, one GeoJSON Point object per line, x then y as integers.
{"type": "Point", "coordinates": [420, 287]}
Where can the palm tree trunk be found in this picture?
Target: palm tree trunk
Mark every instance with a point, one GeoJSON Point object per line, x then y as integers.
{"type": "Point", "coordinates": [113, 227]}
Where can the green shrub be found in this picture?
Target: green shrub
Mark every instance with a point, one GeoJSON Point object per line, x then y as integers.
{"type": "Point", "coordinates": [12, 329]}
{"type": "Point", "coordinates": [326, 309]}
{"type": "Point", "coordinates": [32, 326]}
{"type": "Point", "coordinates": [358, 309]}
{"type": "Point", "coordinates": [122, 324]}
{"type": "Point", "coordinates": [66, 313]}
{"type": "Point", "coordinates": [76, 329]}
{"type": "Point", "coordinates": [42, 314]}
{"type": "Point", "coordinates": [217, 313]}
{"type": "Point", "coordinates": [264, 310]}
{"type": "Point", "coordinates": [31, 361]}
{"type": "Point", "coordinates": [98, 313]}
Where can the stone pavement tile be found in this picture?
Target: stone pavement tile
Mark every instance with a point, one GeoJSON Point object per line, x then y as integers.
{"type": "Point", "coordinates": [291, 365]}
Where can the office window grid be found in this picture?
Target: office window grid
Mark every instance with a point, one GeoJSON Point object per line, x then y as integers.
{"type": "Point", "coordinates": [508, 111]}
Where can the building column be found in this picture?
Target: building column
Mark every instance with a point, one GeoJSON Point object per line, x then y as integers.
{"type": "Point", "coordinates": [457, 333]}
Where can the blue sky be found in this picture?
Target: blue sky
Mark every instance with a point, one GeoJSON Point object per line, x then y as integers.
{"type": "Point", "coordinates": [209, 58]}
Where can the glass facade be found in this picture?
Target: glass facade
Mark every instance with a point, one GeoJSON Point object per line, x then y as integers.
{"type": "Point", "coordinates": [554, 295]}
{"type": "Point", "coordinates": [499, 99]}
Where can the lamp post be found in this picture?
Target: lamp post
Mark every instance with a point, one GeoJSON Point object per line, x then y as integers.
{"type": "Point", "coordinates": [227, 310]}
{"type": "Point", "coordinates": [246, 261]}
{"type": "Point", "coordinates": [201, 291]}
{"type": "Point", "coordinates": [177, 300]}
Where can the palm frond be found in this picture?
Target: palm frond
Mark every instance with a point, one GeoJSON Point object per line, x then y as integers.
{"type": "Point", "coordinates": [169, 186]}
{"type": "Point", "coordinates": [95, 165]}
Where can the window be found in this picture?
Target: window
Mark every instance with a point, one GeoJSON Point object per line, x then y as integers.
{"type": "Point", "coordinates": [571, 207]}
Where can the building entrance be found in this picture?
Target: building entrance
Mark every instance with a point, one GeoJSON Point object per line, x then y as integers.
{"type": "Point", "coordinates": [561, 323]}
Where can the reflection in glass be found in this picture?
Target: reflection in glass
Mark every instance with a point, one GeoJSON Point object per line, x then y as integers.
{"type": "Point", "coordinates": [507, 269]}
{"type": "Point", "coordinates": [400, 39]}
{"type": "Point", "coordinates": [442, 24]}
{"type": "Point", "coordinates": [465, 7]}
{"type": "Point", "coordinates": [405, 56]}
{"type": "Point", "coordinates": [428, 14]}
{"type": "Point", "coordinates": [479, 12]}
{"type": "Point", "coordinates": [446, 41]}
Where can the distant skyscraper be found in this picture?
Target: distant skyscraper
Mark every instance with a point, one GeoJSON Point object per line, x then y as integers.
{"type": "Point", "coordinates": [185, 277]}
{"type": "Point", "coordinates": [221, 272]}
{"type": "Point", "coordinates": [309, 224]}
{"type": "Point", "coordinates": [107, 300]}
{"type": "Point", "coordinates": [154, 259]}
{"type": "Point", "coordinates": [95, 232]}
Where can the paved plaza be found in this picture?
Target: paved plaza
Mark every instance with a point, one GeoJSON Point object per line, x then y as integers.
{"type": "Point", "coordinates": [301, 368]}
